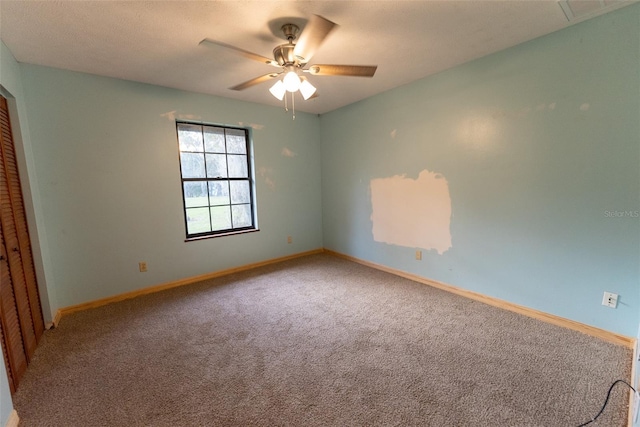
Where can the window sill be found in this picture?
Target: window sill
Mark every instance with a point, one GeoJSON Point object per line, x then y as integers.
{"type": "Point", "coordinates": [213, 236]}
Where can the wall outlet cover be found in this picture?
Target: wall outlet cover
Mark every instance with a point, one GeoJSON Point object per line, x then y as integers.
{"type": "Point", "coordinates": [609, 299]}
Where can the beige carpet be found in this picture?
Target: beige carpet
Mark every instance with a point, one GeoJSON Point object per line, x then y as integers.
{"type": "Point", "coordinates": [317, 341]}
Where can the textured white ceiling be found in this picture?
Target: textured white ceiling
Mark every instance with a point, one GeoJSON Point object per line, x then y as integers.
{"type": "Point", "coordinates": [157, 41]}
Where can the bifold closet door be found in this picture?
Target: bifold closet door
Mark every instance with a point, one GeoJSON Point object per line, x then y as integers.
{"type": "Point", "coordinates": [19, 288]}
{"type": "Point", "coordinates": [13, 350]}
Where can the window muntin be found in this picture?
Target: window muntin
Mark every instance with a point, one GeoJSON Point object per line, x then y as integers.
{"type": "Point", "coordinates": [217, 185]}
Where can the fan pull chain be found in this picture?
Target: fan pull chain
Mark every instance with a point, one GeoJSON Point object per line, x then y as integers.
{"type": "Point", "coordinates": [293, 104]}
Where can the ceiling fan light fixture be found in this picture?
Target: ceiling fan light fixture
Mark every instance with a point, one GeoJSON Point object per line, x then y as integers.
{"type": "Point", "coordinates": [291, 81]}
{"type": "Point", "coordinates": [307, 89]}
{"type": "Point", "coordinates": [292, 60]}
{"type": "Point", "coordinates": [278, 90]}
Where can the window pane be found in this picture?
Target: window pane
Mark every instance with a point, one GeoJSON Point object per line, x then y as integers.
{"type": "Point", "coordinates": [214, 140]}
{"type": "Point", "coordinates": [192, 165]}
{"type": "Point", "coordinates": [219, 193]}
{"type": "Point", "coordinates": [190, 137]}
{"type": "Point", "coordinates": [236, 142]}
{"type": "Point", "coordinates": [241, 215]}
{"type": "Point", "coordinates": [240, 192]}
{"type": "Point", "coordinates": [220, 218]}
{"type": "Point", "coordinates": [216, 166]}
{"type": "Point", "coordinates": [216, 181]}
{"type": "Point", "coordinates": [195, 194]}
{"type": "Point", "coordinates": [237, 166]}
{"type": "Point", "coordinates": [198, 220]}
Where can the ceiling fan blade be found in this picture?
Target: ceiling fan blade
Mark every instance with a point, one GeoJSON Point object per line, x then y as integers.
{"type": "Point", "coordinates": [245, 53]}
{"type": "Point", "coordinates": [343, 70]}
{"type": "Point", "coordinates": [256, 81]}
{"type": "Point", "coordinates": [314, 33]}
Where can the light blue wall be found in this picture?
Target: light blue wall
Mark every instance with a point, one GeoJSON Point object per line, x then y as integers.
{"type": "Point", "coordinates": [537, 143]}
{"type": "Point", "coordinates": [107, 160]}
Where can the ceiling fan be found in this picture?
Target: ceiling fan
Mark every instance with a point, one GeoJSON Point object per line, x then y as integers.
{"type": "Point", "coordinates": [293, 57]}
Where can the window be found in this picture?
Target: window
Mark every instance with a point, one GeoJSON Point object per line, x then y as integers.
{"type": "Point", "coordinates": [217, 187]}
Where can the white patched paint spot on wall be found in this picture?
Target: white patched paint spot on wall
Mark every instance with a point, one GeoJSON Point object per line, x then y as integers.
{"type": "Point", "coordinates": [266, 174]}
{"type": "Point", "coordinates": [414, 213]}
{"type": "Point", "coordinates": [584, 107]}
{"type": "Point", "coordinates": [251, 125]}
{"type": "Point", "coordinates": [169, 115]}
{"type": "Point", "coordinates": [287, 153]}
{"type": "Point", "coordinates": [172, 116]}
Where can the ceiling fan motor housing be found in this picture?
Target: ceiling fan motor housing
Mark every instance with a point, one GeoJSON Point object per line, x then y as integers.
{"type": "Point", "coordinates": [283, 54]}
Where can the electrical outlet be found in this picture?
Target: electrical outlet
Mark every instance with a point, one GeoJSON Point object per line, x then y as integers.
{"type": "Point", "coordinates": [289, 239]}
{"type": "Point", "coordinates": [610, 299]}
{"type": "Point", "coordinates": [142, 266]}
{"type": "Point", "coordinates": [418, 255]}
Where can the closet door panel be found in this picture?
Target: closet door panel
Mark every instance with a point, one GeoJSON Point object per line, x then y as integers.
{"type": "Point", "coordinates": [15, 268]}
{"type": "Point", "coordinates": [20, 220]}
{"type": "Point", "coordinates": [21, 320]}
{"type": "Point", "coordinates": [15, 356]}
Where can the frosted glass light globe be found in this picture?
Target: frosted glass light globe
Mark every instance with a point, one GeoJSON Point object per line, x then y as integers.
{"type": "Point", "coordinates": [278, 90]}
{"type": "Point", "coordinates": [291, 81]}
{"type": "Point", "coordinates": [307, 89]}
